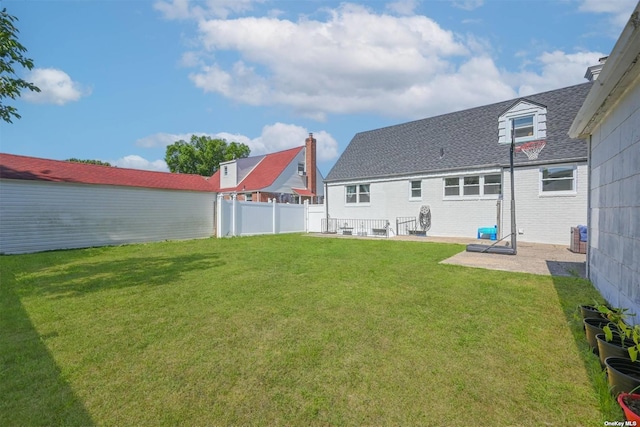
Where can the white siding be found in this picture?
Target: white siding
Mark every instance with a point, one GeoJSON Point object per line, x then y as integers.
{"type": "Point", "coordinates": [543, 219]}
{"type": "Point", "coordinates": [614, 223]}
{"type": "Point", "coordinates": [37, 216]}
{"type": "Point", "coordinates": [289, 178]}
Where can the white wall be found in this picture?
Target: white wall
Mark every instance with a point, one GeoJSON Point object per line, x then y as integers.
{"type": "Point", "coordinates": [391, 199]}
{"type": "Point", "coordinates": [544, 219]}
{"type": "Point", "coordinates": [37, 215]}
{"type": "Point", "coordinates": [614, 223]}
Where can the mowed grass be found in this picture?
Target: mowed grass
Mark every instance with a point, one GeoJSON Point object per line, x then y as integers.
{"type": "Point", "coordinates": [290, 330]}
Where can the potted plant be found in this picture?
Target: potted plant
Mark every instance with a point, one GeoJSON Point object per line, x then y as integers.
{"type": "Point", "coordinates": [630, 404]}
{"type": "Point", "coordinates": [624, 373]}
{"type": "Point", "coordinates": [614, 345]}
{"type": "Point", "coordinates": [612, 319]}
{"type": "Point", "coordinates": [590, 311]}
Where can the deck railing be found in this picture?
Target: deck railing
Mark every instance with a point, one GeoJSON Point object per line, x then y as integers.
{"type": "Point", "coordinates": [408, 225]}
{"type": "Point", "coordinates": [356, 227]}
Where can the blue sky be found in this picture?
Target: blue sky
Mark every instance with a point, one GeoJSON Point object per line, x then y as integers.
{"type": "Point", "coordinates": [122, 79]}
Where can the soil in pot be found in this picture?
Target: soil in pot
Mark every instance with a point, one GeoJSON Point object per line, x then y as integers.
{"type": "Point", "coordinates": [593, 327]}
{"type": "Point", "coordinates": [623, 374]}
{"type": "Point", "coordinates": [614, 348]}
{"type": "Point", "coordinates": [630, 404]}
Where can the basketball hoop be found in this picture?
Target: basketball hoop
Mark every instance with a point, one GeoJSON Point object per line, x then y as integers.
{"type": "Point", "coordinates": [531, 149]}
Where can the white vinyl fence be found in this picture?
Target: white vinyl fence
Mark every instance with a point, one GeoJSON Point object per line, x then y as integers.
{"type": "Point", "coordinates": [239, 218]}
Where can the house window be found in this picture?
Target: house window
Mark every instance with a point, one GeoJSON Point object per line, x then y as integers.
{"type": "Point", "coordinates": [415, 189]}
{"type": "Point", "coordinates": [225, 171]}
{"type": "Point", "coordinates": [300, 168]}
{"type": "Point", "coordinates": [363, 193]}
{"type": "Point", "coordinates": [248, 197]}
{"type": "Point", "coordinates": [492, 184]}
{"type": "Point", "coordinates": [352, 196]}
{"type": "Point", "coordinates": [523, 128]}
{"type": "Point", "coordinates": [473, 186]}
{"type": "Point", "coordinates": [452, 186]}
{"type": "Point", "coordinates": [558, 179]}
{"type": "Point", "coordinates": [358, 193]}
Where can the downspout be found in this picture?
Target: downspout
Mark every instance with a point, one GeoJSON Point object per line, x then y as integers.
{"type": "Point", "coordinates": [589, 229]}
{"type": "Point", "coordinates": [513, 190]}
{"type": "Point", "coordinates": [326, 204]}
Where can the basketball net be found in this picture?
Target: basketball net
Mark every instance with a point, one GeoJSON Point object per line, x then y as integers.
{"type": "Point", "coordinates": [531, 149]}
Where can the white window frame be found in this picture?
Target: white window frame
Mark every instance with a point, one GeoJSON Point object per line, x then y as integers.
{"type": "Point", "coordinates": [462, 185]}
{"type": "Point", "coordinates": [359, 194]}
{"type": "Point", "coordinates": [534, 119]}
{"type": "Point", "coordinates": [445, 186]}
{"type": "Point", "coordinates": [574, 181]}
{"type": "Point", "coordinates": [225, 170]}
{"type": "Point", "coordinates": [411, 190]}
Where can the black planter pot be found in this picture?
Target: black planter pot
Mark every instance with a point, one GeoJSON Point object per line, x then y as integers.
{"type": "Point", "coordinates": [590, 312]}
{"type": "Point", "coordinates": [623, 374]}
{"type": "Point", "coordinates": [593, 327]}
{"type": "Point", "coordinates": [614, 348]}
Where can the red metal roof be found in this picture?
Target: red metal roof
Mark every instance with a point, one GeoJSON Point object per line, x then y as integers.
{"type": "Point", "coordinates": [36, 169]}
{"type": "Point", "coordinates": [264, 174]}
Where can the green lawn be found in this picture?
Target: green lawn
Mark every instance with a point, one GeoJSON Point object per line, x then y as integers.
{"type": "Point", "coordinates": [290, 330]}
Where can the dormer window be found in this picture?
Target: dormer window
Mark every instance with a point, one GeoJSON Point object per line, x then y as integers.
{"type": "Point", "coordinates": [225, 170]}
{"type": "Point", "coordinates": [527, 119]}
{"type": "Point", "coordinates": [523, 127]}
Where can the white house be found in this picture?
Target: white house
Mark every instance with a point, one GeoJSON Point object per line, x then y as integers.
{"type": "Point", "coordinates": [289, 176]}
{"type": "Point", "coordinates": [610, 120]}
{"type": "Point", "coordinates": [458, 165]}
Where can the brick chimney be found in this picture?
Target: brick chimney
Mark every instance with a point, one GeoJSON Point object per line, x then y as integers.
{"type": "Point", "coordinates": [310, 163]}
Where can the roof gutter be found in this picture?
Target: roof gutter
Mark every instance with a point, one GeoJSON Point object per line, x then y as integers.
{"type": "Point", "coordinates": [456, 170]}
{"type": "Point", "coordinates": [620, 70]}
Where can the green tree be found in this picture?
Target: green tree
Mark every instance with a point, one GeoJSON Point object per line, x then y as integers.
{"type": "Point", "coordinates": [202, 155]}
{"type": "Point", "coordinates": [11, 54]}
{"type": "Point", "coordinates": [91, 162]}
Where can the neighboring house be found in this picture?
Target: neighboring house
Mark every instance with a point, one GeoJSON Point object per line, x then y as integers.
{"type": "Point", "coordinates": [289, 176]}
{"type": "Point", "coordinates": [50, 204]}
{"type": "Point", "coordinates": [610, 119]}
{"type": "Point", "coordinates": [458, 165]}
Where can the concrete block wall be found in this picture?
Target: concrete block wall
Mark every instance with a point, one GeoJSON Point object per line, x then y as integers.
{"type": "Point", "coordinates": [614, 215]}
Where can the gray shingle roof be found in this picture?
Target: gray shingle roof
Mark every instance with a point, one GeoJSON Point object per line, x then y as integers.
{"type": "Point", "coordinates": [469, 139]}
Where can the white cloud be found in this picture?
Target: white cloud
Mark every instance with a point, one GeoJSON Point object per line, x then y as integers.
{"type": "Point", "coordinates": [403, 7]}
{"type": "Point", "coordinates": [559, 69]}
{"type": "Point", "coordinates": [468, 4]}
{"type": "Point", "coordinates": [56, 87]}
{"type": "Point", "coordinates": [275, 137]}
{"type": "Point", "coordinates": [319, 67]}
{"type": "Point", "coordinates": [620, 10]}
{"type": "Point", "coordinates": [403, 65]}
{"type": "Point", "coordinates": [185, 9]}
{"type": "Point", "coordinates": [136, 162]}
